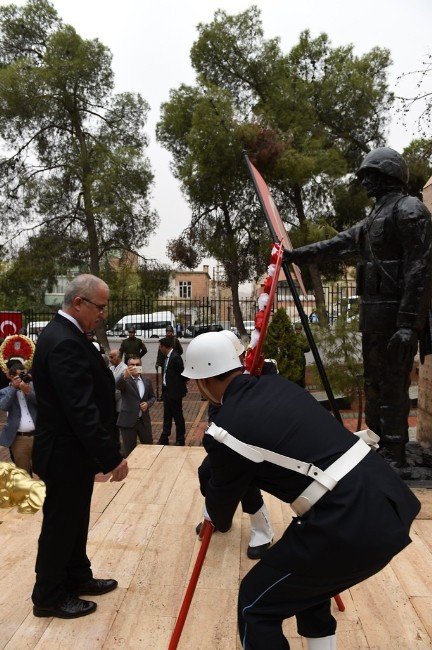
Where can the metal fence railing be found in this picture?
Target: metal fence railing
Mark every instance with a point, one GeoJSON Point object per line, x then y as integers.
{"type": "Point", "coordinates": [150, 316]}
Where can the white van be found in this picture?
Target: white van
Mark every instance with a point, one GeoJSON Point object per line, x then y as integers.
{"type": "Point", "coordinates": [146, 325]}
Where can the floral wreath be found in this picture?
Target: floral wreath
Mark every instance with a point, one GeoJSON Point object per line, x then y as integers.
{"type": "Point", "coordinates": [17, 346]}
{"type": "Point", "coordinates": [254, 359]}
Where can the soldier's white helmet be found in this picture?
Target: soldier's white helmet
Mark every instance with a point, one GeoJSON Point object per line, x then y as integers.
{"type": "Point", "coordinates": [239, 347]}
{"type": "Point", "coordinates": [209, 355]}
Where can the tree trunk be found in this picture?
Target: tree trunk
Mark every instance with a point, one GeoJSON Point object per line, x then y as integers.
{"type": "Point", "coordinates": [319, 294]}
{"type": "Point", "coordinates": [313, 268]}
{"type": "Point", "coordinates": [87, 194]}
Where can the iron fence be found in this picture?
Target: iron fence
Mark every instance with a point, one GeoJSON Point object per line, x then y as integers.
{"type": "Point", "coordinates": [150, 316]}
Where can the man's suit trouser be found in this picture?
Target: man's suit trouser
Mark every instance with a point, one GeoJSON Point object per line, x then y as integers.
{"type": "Point", "coordinates": [62, 561]}
{"type": "Point", "coordinates": [173, 409]}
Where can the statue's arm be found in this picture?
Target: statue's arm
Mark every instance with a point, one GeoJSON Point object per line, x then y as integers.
{"type": "Point", "coordinates": [342, 244]}
{"type": "Point", "coordinates": [414, 226]}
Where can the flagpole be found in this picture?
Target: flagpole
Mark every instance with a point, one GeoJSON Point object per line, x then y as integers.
{"type": "Point", "coordinates": [304, 319]}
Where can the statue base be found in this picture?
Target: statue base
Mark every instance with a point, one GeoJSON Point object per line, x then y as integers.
{"type": "Point", "coordinates": [418, 470]}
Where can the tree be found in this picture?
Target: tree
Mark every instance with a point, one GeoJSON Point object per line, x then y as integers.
{"type": "Point", "coordinates": [206, 141]}
{"type": "Point", "coordinates": [286, 347]}
{"type": "Point", "coordinates": [327, 106]}
{"type": "Point", "coordinates": [75, 170]}
{"type": "Point", "coordinates": [418, 156]}
{"type": "Point", "coordinates": [341, 349]}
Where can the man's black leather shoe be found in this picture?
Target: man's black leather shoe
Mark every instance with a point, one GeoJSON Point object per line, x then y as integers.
{"type": "Point", "coordinates": [95, 587]}
{"type": "Point", "coordinates": [257, 552]}
{"type": "Point", "coordinates": [179, 443]}
{"type": "Point", "coordinates": [163, 440]}
{"type": "Point", "coordinates": [72, 607]}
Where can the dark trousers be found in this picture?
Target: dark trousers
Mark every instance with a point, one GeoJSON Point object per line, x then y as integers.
{"type": "Point", "coordinates": [386, 383]}
{"type": "Point", "coordinates": [268, 595]}
{"type": "Point", "coordinates": [62, 561]}
{"type": "Point", "coordinates": [129, 436]}
{"type": "Point", "coordinates": [173, 410]}
{"type": "Point", "coordinates": [252, 500]}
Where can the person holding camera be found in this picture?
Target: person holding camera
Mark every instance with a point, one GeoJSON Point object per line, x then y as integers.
{"type": "Point", "coordinates": [137, 397]}
{"type": "Point", "coordinates": [19, 400]}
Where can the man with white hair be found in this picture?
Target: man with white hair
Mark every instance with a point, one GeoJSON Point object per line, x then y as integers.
{"type": "Point", "coordinates": [353, 511]}
{"type": "Point", "coordinates": [74, 440]}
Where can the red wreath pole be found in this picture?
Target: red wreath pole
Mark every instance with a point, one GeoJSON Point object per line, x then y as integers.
{"type": "Point", "coordinates": [206, 532]}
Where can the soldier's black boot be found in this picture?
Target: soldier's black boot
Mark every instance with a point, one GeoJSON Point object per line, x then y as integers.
{"type": "Point", "coordinates": [394, 454]}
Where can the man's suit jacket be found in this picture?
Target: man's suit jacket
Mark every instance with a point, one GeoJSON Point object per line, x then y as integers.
{"type": "Point", "coordinates": [130, 401]}
{"type": "Point", "coordinates": [9, 402]}
{"type": "Point", "coordinates": [175, 387]}
{"type": "Point", "coordinates": [76, 409]}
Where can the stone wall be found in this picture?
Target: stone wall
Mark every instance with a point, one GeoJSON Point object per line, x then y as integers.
{"type": "Point", "coordinates": [424, 413]}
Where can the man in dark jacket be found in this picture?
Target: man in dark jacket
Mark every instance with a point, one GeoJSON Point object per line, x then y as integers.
{"type": "Point", "coordinates": [354, 512]}
{"type": "Point", "coordinates": [173, 391]}
{"type": "Point", "coordinates": [132, 346]}
{"type": "Point", "coordinates": [175, 344]}
{"type": "Point", "coordinates": [137, 397]}
{"type": "Point", "coordinates": [74, 440]}
{"type": "Point", "coordinates": [394, 281]}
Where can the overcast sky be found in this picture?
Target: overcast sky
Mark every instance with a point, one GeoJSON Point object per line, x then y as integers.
{"type": "Point", "coordinates": [150, 41]}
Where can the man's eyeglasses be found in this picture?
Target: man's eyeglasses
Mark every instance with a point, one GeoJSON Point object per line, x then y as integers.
{"type": "Point", "coordinates": [101, 308]}
{"type": "Point", "coordinates": [131, 365]}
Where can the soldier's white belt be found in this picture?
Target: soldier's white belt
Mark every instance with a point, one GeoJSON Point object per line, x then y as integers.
{"type": "Point", "coordinates": [323, 480]}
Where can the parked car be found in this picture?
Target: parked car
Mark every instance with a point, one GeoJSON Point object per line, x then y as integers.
{"type": "Point", "coordinates": [202, 329]}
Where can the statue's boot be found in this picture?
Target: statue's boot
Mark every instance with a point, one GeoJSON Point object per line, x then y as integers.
{"type": "Point", "coordinates": [394, 454]}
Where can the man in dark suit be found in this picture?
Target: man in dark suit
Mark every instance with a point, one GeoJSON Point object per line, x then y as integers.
{"type": "Point", "coordinates": [173, 391]}
{"type": "Point", "coordinates": [74, 440]}
{"type": "Point", "coordinates": [137, 397]}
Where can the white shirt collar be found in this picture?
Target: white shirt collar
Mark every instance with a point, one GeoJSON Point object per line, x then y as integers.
{"type": "Point", "coordinates": [71, 318]}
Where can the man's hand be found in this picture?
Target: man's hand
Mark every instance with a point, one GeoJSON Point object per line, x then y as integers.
{"type": "Point", "coordinates": [402, 344]}
{"type": "Point", "coordinates": [25, 388]}
{"type": "Point", "coordinates": [120, 472]}
{"type": "Point", "coordinates": [16, 382]}
{"type": "Point", "coordinates": [144, 407]}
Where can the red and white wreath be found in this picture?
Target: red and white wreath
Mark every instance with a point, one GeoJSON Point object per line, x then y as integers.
{"type": "Point", "coordinates": [17, 346]}
{"type": "Point", "coordinates": [254, 359]}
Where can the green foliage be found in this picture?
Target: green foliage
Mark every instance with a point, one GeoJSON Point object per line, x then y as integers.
{"type": "Point", "coordinates": [418, 156]}
{"type": "Point", "coordinates": [306, 117]}
{"type": "Point", "coordinates": [287, 347]}
{"type": "Point", "coordinates": [75, 165]}
{"type": "Point", "coordinates": [341, 352]}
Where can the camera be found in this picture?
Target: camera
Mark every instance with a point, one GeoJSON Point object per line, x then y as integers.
{"type": "Point", "coordinates": [25, 377]}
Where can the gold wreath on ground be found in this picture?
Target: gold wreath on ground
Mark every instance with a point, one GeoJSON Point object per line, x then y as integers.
{"type": "Point", "coordinates": [17, 346]}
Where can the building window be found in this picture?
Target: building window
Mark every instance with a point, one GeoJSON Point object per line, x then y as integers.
{"type": "Point", "coordinates": [185, 289]}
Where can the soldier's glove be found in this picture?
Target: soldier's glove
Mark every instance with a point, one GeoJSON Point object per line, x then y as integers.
{"type": "Point", "coordinates": [402, 344]}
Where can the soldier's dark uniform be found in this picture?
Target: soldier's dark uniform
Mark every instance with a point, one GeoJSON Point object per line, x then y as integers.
{"type": "Point", "coordinates": [394, 281]}
{"type": "Point", "coordinates": [349, 534]}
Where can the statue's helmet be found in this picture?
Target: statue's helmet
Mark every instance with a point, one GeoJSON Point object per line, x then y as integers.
{"type": "Point", "coordinates": [387, 161]}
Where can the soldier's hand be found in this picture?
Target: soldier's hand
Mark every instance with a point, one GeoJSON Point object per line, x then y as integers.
{"type": "Point", "coordinates": [402, 344]}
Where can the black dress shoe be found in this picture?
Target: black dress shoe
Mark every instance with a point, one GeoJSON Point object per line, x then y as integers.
{"type": "Point", "coordinates": [256, 552]}
{"type": "Point", "coordinates": [179, 443]}
{"type": "Point", "coordinates": [72, 607]}
{"type": "Point", "coordinates": [95, 587]}
{"type": "Point", "coordinates": [163, 440]}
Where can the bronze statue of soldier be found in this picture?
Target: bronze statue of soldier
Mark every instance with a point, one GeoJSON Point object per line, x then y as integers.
{"type": "Point", "coordinates": [394, 280]}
